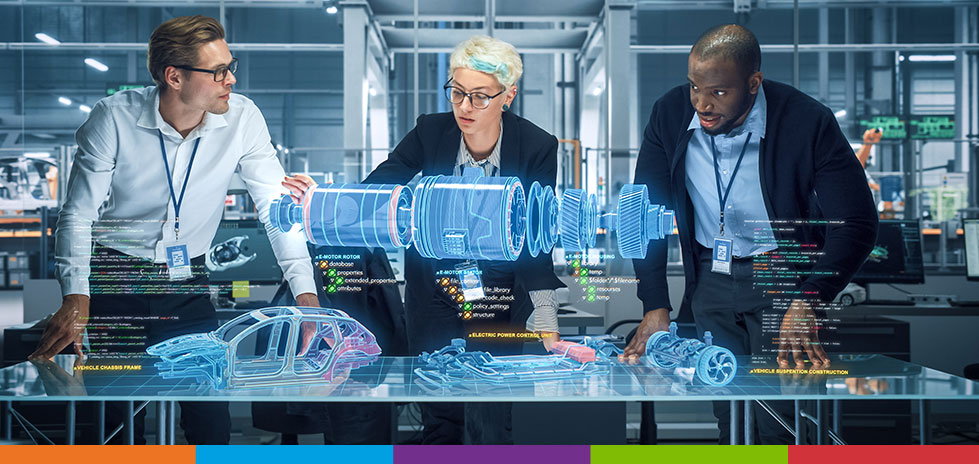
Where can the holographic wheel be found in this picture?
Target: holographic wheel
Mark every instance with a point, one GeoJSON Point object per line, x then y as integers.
{"type": "Point", "coordinates": [716, 366]}
{"type": "Point", "coordinates": [658, 344]}
{"type": "Point", "coordinates": [284, 213]}
{"type": "Point", "coordinates": [515, 211]}
{"type": "Point", "coordinates": [548, 219]}
{"type": "Point", "coordinates": [633, 205]}
{"type": "Point", "coordinates": [534, 219]}
{"type": "Point", "coordinates": [573, 225]}
{"type": "Point", "coordinates": [591, 221]}
{"type": "Point", "coordinates": [579, 220]}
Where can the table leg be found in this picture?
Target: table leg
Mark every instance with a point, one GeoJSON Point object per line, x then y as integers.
{"type": "Point", "coordinates": [172, 419]}
{"type": "Point", "coordinates": [798, 422]}
{"type": "Point", "coordinates": [130, 424]}
{"type": "Point", "coordinates": [100, 422]}
{"type": "Point", "coordinates": [734, 422]}
{"type": "Point", "coordinates": [924, 425]}
{"type": "Point", "coordinates": [70, 423]}
{"type": "Point", "coordinates": [837, 417]}
{"type": "Point", "coordinates": [8, 421]}
{"type": "Point", "coordinates": [819, 422]}
{"type": "Point", "coordinates": [748, 419]}
{"type": "Point", "coordinates": [161, 422]}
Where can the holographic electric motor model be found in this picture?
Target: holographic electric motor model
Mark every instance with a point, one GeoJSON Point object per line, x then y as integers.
{"type": "Point", "coordinates": [639, 221]}
{"type": "Point", "coordinates": [349, 215]}
{"type": "Point", "coordinates": [714, 365]}
{"type": "Point", "coordinates": [338, 342]}
{"type": "Point", "coordinates": [453, 365]}
{"type": "Point", "coordinates": [470, 217]}
{"type": "Point", "coordinates": [579, 220]}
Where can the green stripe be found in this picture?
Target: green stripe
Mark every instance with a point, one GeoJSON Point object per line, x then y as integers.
{"type": "Point", "coordinates": [709, 453]}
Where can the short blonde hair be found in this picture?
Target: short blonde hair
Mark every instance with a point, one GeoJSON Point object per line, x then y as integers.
{"type": "Point", "coordinates": [488, 55]}
{"type": "Point", "coordinates": [177, 43]}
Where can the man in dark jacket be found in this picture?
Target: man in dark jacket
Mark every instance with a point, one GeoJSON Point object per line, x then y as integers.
{"type": "Point", "coordinates": [734, 156]}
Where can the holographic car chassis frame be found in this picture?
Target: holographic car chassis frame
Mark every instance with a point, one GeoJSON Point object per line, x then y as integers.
{"type": "Point", "coordinates": [453, 365]}
{"type": "Point", "coordinates": [206, 356]}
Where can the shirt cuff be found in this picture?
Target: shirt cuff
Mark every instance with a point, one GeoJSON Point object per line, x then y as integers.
{"type": "Point", "coordinates": [544, 318]}
{"type": "Point", "coordinates": [72, 286]}
{"type": "Point", "coordinates": [302, 284]}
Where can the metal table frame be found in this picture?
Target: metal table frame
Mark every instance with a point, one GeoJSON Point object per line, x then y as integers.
{"type": "Point", "coordinates": [742, 433]}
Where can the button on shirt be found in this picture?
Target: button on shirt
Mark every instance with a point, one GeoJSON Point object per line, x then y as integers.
{"type": "Point", "coordinates": [118, 195]}
{"type": "Point", "coordinates": [746, 220]}
{"type": "Point", "coordinates": [545, 303]}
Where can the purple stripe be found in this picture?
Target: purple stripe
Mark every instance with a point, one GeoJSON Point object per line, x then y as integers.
{"type": "Point", "coordinates": [482, 454]}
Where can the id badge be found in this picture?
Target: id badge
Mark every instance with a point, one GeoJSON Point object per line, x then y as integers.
{"type": "Point", "coordinates": [470, 281]}
{"type": "Point", "coordinates": [178, 261]}
{"type": "Point", "coordinates": [722, 255]}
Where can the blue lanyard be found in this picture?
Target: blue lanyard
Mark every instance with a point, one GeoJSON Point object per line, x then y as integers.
{"type": "Point", "coordinates": [173, 195]}
{"type": "Point", "coordinates": [717, 175]}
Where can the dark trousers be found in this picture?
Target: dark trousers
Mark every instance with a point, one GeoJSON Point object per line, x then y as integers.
{"type": "Point", "coordinates": [432, 327]}
{"type": "Point", "coordinates": [134, 305]}
{"type": "Point", "coordinates": [339, 423]}
{"type": "Point", "coordinates": [732, 309]}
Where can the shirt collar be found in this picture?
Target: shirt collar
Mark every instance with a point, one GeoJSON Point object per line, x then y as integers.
{"type": "Point", "coordinates": [494, 157]}
{"type": "Point", "coordinates": [756, 122]}
{"type": "Point", "coordinates": [150, 118]}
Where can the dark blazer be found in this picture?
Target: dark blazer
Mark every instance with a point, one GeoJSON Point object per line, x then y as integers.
{"type": "Point", "coordinates": [806, 165]}
{"type": "Point", "coordinates": [528, 153]}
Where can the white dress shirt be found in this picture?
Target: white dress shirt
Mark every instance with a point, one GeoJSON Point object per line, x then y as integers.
{"type": "Point", "coordinates": [544, 318]}
{"type": "Point", "coordinates": [118, 194]}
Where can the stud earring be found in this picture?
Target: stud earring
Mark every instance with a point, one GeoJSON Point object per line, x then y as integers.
{"type": "Point", "coordinates": [506, 107]}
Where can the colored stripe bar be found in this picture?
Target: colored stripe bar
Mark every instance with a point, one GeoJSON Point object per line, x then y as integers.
{"type": "Point", "coordinates": [698, 454]}
{"type": "Point", "coordinates": [293, 454]}
{"type": "Point", "coordinates": [491, 454]}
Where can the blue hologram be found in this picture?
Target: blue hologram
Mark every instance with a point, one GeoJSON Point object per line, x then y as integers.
{"type": "Point", "coordinates": [714, 365]}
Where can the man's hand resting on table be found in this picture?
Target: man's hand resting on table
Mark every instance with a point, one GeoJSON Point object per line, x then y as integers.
{"type": "Point", "coordinates": [64, 328]}
{"type": "Point", "coordinates": [653, 321]}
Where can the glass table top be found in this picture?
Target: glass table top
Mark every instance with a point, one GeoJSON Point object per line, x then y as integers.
{"type": "Point", "coordinates": [393, 379]}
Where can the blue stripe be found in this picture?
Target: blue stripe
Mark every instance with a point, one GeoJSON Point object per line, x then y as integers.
{"type": "Point", "coordinates": [271, 454]}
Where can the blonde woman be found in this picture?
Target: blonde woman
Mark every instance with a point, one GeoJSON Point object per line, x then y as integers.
{"type": "Point", "coordinates": [481, 132]}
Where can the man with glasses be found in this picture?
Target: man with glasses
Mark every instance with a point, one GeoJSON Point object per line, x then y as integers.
{"type": "Point", "coordinates": [148, 186]}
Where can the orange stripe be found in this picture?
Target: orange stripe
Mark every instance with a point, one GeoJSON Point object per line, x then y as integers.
{"type": "Point", "coordinates": [101, 454]}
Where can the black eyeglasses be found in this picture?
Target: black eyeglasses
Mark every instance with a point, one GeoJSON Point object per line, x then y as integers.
{"type": "Point", "coordinates": [219, 74]}
{"type": "Point", "coordinates": [478, 100]}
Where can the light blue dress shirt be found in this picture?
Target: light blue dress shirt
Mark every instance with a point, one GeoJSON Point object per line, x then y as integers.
{"type": "Point", "coordinates": [746, 220]}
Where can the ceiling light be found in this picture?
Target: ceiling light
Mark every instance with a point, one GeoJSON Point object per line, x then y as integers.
{"type": "Point", "coordinates": [85, 108]}
{"type": "Point", "coordinates": [372, 91]}
{"type": "Point", "coordinates": [37, 155]}
{"type": "Point", "coordinates": [47, 39]}
{"type": "Point", "coordinates": [98, 65]}
{"type": "Point", "coordinates": [331, 10]}
{"type": "Point", "coordinates": [840, 113]}
{"type": "Point", "coordinates": [596, 91]}
{"type": "Point", "coordinates": [43, 136]}
{"type": "Point", "coordinates": [64, 101]}
{"type": "Point", "coordinates": [932, 58]}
